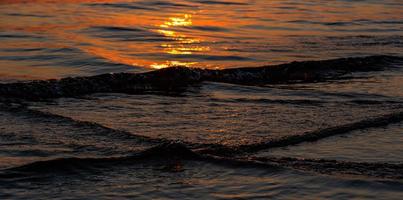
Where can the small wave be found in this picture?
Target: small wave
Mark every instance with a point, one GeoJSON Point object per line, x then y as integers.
{"type": "Point", "coordinates": [28, 15]}
{"type": "Point", "coordinates": [23, 49]}
{"type": "Point", "coordinates": [19, 36]}
{"type": "Point", "coordinates": [218, 149]}
{"type": "Point", "coordinates": [121, 5]}
{"type": "Point", "coordinates": [209, 28]}
{"type": "Point", "coordinates": [332, 167]}
{"type": "Point", "coordinates": [164, 4]}
{"type": "Point", "coordinates": [117, 28]}
{"type": "Point", "coordinates": [122, 33]}
{"type": "Point", "coordinates": [308, 136]}
{"type": "Point", "coordinates": [374, 102]}
{"type": "Point", "coordinates": [178, 78]}
{"type": "Point", "coordinates": [221, 2]}
{"type": "Point", "coordinates": [143, 5]}
{"type": "Point", "coordinates": [19, 107]}
{"type": "Point", "coordinates": [164, 151]}
{"type": "Point", "coordinates": [271, 101]}
{"type": "Point", "coordinates": [171, 153]}
{"type": "Point", "coordinates": [213, 57]}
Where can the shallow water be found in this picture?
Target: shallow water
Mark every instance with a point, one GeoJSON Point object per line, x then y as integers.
{"type": "Point", "coordinates": [200, 181]}
{"type": "Point", "coordinates": [214, 115]}
{"type": "Point", "coordinates": [103, 130]}
{"type": "Point", "coordinates": [375, 145]}
{"type": "Point", "coordinates": [313, 130]}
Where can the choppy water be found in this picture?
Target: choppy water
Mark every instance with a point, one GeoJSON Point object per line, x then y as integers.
{"type": "Point", "coordinates": [313, 130]}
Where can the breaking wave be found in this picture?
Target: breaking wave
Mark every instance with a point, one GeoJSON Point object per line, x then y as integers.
{"type": "Point", "coordinates": [178, 78]}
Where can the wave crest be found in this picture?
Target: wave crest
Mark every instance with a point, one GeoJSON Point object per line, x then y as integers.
{"type": "Point", "coordinates": [178, 78]}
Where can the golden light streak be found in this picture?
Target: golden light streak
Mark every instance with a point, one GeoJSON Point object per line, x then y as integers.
{"type": "Point", "coordinates": [182, 45]}
{"type": "Point", "coordinates": [172, 64]}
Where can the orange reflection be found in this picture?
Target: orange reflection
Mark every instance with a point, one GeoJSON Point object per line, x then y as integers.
{"type": "Point", "coordinates": [51, 1]}
{"type": "Point", "coordinates": [172, 64]}
{"type": "Point", "coordinates": [213, 29]}
{"type": "Point", "coordinates": [182, 45]}
{"type": "Point", "coordinates": [11, 71]}
{"type": "Point", "coordinates": [186, 20]}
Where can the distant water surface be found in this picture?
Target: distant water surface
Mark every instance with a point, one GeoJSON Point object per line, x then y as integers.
{"type": "Point", "coordinates": [53, 39]}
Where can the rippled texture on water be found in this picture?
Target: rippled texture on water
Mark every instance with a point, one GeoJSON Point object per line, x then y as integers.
{"type": "Point", "coordinates": [327, 129]}
{"type": "Point", "coordinates": [52, 39]}
{"type": "Point", "coordinates": [202, 181]}
{"type": "Point", "coordinates": [217, 116]}
{"type": "Point", "coordinates": [376, 145]}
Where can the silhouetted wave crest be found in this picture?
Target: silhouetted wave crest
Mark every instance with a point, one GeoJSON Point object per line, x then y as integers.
{"type": "Point", "coordinates": [171, 153]}
{"type": "Point", "coordinates": [178, 78]}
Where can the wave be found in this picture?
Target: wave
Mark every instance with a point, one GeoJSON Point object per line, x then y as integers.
{"type": "Point", "coordinates": [306, 102]}
{"type": "Point", "coordinates": [178, 78]}
{"type": "Point", "coordinates": [122, 6]}
{"type": "Point", "coordinates": [21, 108]}
{"type": "Point", "coordinates": [218, 149]}
{"type": "Point", "coordinates": [143, 5]}
{"type": "Point", "coordinates": [307, 136]}
{"type": "Point", "coordinates": [271, 101]}
{"type": "Point", "coordinates": [220, 2]}
{"type": "Point", "coordinates": [166, 153]}
{"type": "Point", "coordinates": [333, 167]}
{"type": "Point", "coordinates": [171, 153]}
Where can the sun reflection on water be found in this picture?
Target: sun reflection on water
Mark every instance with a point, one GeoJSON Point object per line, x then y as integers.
{"type": "Point", "coordinates": [180, 44]}
{"type": "Point", "coordinates": [186, 20]}
{"type": "Point", "coordinates": [172, 64]}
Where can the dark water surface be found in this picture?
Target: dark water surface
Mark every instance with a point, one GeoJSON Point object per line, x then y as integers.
{"type": "Point", "coordinates": [328, 129]}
